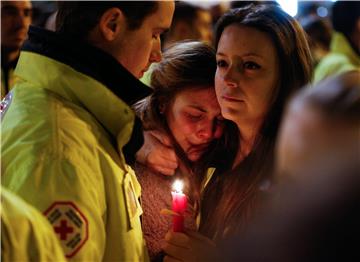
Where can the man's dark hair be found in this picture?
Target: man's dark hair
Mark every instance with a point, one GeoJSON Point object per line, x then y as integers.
{"type": "Point", "coordinates": [344, 16]}
{"type": "Point", "coordinates": [78, 18]}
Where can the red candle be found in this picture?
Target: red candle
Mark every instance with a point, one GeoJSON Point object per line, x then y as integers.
{"type": "Point", "coordinates": [179, 202]}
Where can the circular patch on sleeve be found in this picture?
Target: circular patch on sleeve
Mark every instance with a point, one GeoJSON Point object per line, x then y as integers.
{"type": "Point", "coordinates": [70, 226]}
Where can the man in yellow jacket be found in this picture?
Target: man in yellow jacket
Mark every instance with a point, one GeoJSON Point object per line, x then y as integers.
{"type": "Point", "coordinates": [344, 52]}
{"type": "Point", "coordinates": [67, 123]}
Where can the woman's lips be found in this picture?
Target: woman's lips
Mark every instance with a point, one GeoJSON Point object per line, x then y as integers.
{"type": "Point", "coordinates": [198, 148]}
{"type": "Point", "coordinates": [231, 98]}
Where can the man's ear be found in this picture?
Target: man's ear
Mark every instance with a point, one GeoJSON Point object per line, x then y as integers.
{"type": "Point", "coordinates": [111, 23]}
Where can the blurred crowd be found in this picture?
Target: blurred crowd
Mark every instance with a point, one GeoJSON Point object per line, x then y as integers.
{"type": "Point", "coordinates": [329, 31]}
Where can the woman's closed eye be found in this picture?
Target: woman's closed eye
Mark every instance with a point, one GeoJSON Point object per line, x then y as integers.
{"type": "Point", "coordinates": [194, 117]}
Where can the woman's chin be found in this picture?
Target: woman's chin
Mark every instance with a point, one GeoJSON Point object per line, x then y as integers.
{"type": "Point", "coordinates": [194, 156]}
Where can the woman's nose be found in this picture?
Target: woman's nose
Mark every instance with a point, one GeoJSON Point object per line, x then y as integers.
{"type": "Point", "coordinates": [230, 77]}
{"type": "Point", "coordinates": [205, 131]}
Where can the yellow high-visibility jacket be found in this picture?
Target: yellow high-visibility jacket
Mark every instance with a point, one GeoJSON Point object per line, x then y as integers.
{"type": "Point", "coordinates": [342, 58]}
{"type": "Point", "coordinates": [62, 139]}
{"type": "Point", "coordinates": [26, 235]}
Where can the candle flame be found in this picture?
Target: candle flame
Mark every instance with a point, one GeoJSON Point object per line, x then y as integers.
{"type": "Point", "coordinates": [178, 186]}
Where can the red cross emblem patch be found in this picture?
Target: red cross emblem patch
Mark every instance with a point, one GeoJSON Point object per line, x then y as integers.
{"type": "Point", "coordinates": [70, 225]}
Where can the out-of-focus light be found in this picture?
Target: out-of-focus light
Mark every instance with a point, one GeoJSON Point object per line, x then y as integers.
{"type": "Point", "coordinates": [206, 4]}
{"type": "Point", "coordinates": [322, 11]}
{"type": "Point", "coordinates": [289, 6]}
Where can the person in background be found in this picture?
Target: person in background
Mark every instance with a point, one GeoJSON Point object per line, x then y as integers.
{"type": "Point", "coordinates": [345, 44]}
{"type": "Point", "coordinates": [184, 106]}
{"type": "Point", "coordinates": [68, 128]}
{"type": "Point", "coordinates": [190, 22]}
{"type": "Point", "coordinates": [253, 82]}
{"type": "Point", "coordinates": [319, 32]}
{"type": "Point", "coordinates": [26, 235]}
{"type": "Point", "coordinates": [321, 126]}
{"type": "Point", "coordinates": [15, 22]}
{"type": "Point", "coordinates": [217, 9]}
{"type": "Point", "coordinates": [314, 213]}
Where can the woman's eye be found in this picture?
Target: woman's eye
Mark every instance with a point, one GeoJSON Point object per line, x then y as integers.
{"type": "Point", "coordinates": [251, 65]}
{"type": "Point", "coordinates": [221, 63]}
{"type": "Point", "coordinates": [194, 117]}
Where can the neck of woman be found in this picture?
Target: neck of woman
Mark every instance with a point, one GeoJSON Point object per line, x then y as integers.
{"type": "Point", "coordinates": [247, 133]}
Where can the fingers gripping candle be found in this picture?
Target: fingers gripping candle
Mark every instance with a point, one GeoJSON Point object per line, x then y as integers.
{"type": "Point", "coordinates": [179, 202]}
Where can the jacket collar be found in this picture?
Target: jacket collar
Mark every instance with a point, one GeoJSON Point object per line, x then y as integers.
{"type": "Point", "coordinates": [88, 60]}
{"type": "Point", "coordinates": [93, 80]}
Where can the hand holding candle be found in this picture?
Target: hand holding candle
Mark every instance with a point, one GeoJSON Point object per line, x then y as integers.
{"type": "Point", "coordinates": [179, 202]}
